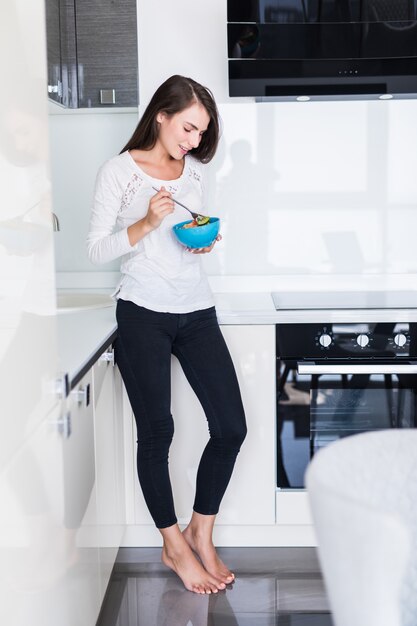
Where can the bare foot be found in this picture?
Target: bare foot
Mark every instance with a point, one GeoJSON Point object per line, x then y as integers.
{"type": "Point", "coordinates": [195, 578]}
{"type": "Point", "coordinates": [208, 555]}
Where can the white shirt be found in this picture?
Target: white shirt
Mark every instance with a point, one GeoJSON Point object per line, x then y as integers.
{"type": "Point", "coordinates": [158, 272]}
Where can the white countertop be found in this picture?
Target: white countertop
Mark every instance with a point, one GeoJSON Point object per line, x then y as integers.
{"type": "Point", "coordinates": [258, 308]}
{"type": "Point", "coordinates": [81, 335]}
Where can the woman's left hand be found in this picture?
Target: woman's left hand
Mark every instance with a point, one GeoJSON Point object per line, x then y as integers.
{"type": "Point", "coordinates": [205, 250]}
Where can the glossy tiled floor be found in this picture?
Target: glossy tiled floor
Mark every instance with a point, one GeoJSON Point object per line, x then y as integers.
{"type": "Point", "coordinates": [273, 587]}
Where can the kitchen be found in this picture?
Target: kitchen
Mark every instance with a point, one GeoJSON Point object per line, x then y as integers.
{"type": "Point", "coordinates": [315, 196]}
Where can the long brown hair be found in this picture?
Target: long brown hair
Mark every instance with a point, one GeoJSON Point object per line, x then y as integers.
{"type": "Point", "coordinates": [174, 95]}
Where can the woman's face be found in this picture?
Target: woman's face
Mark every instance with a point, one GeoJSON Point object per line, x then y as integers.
{"type": "Point", "coordinates": [181, 132]}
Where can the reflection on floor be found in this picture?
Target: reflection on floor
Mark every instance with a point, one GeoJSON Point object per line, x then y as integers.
{"type": "Point", "coordinates": [273, 587]}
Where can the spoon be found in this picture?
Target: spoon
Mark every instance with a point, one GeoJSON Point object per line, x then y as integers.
{"type": "Point", "coordinates": [198, 218]}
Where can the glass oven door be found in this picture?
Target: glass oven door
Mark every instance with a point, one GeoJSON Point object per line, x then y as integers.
{"type": "Point", "coordinates": [322, 401]}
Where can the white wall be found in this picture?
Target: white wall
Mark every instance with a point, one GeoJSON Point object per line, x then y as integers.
{"type": "Point", "coordinates": [185, 37]}
{"type": "Point", "coordinates": [316, 187]}
{"type": "Point", "coordinates": [80, 142]}
{"type": "Point", "coordinates": [301, 188]}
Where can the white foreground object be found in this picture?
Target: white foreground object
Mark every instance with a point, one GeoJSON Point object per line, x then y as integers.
{"type": "Point", "coordinates": [363, 496]}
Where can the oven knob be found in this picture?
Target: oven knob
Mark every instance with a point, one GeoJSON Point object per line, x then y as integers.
{"type": "Point", "coordinates": [400, 340]}
{"type": "Point", "coordinates": [362, 340]}
{"type": "Point", "coordinates": [325, 340]}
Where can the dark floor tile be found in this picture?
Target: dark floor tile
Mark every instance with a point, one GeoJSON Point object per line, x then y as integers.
{"type": "Point", "coordinates": [242, 619]}
{"type": "Point", "coordinates": [273, 587]}
{"type": "Point", "coordinates": [301, 594]}
{"type": "Point", "coordinates": [275, 561]}
{"type": "Point", "coordinates": [305, 619]}
{"type": "Point", "coordinates": [254, 594]}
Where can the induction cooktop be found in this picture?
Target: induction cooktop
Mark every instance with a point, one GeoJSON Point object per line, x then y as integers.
{"type": "Point", "coordinates": [318, 300]}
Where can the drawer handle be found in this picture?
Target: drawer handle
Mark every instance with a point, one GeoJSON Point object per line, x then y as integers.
{"type": "Point", "coordinates": [82, 395]}
{"type": "Point", "coordinates": [107, 357]}
{"type": "Point", "coordinates": [63, 424]}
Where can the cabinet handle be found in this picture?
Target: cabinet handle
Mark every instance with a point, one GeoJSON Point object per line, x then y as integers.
{"type": "Point", "coordinates": [63, 424]}
{"type": "Point", "coordinates": [82, 395]}
{"type": "Point", "coordinates": [56, 88]}
{"type": "Point", "coordinates": [107, 357]}
{"type": "Point", "coordinates": [62, 386]}
{"type": "Point", "coordinates": [365, 368]}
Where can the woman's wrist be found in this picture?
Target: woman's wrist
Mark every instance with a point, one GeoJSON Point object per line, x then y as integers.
{"type": "Point", "coordinates": [138, 231]}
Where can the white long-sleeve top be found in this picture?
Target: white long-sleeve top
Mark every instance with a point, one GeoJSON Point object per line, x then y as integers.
{"type": "Point", "coordinates": [158, 272]}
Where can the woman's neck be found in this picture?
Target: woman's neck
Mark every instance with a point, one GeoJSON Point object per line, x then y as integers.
{"type": "Point", "coordinates": [157, 164]}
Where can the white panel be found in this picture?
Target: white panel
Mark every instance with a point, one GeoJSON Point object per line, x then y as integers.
{"type": "Point", "coordinates": [89, 139]}
{"type": "Point", "coordinates": [315, 145]}
{"type": "Point", "coordinates": [401, 181]}
{"type": "Point", "coordinates": [314, 188]}
{"type": "Point", "coordinates": [81, 516]}
{"type": "Point", "coordinates": [233, 535]}
{"type": "Point", "coordinates": [34, 558]}
{"type": "Point", "coordinates": [293, 508]}
{"type": "Point", "coordinates": [302, 189]}
{"type": "Point", "coordinates": [250, 497]}
{"type": "Point", "coordinates": [27, 284]}
{"type": "Point", "coordinates": [108, 427]}
{"type": "Point", "coordinates": [190, 40]}
{"type": "Point", "coordinates": [49, 562]}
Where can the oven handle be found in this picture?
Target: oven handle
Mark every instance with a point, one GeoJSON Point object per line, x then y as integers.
{"type": "Point", "coordinates": [345, 368]}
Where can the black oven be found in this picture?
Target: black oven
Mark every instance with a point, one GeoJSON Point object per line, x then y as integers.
{"type": "Point", "coordinates": [336, 380]}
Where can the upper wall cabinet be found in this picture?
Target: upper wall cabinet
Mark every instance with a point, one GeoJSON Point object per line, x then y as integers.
{"type": "Point", "coordinates": [92, 53]}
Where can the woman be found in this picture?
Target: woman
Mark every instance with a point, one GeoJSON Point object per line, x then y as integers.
{"type": "Point", "coordinates": [165, 306]}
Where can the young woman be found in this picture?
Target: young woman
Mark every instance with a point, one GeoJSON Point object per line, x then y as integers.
{"type": "Point", "coordinates": [165, 306]}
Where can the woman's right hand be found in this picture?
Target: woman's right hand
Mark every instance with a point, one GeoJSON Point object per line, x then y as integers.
{"type": "Point", "coordinates": [160, 206]}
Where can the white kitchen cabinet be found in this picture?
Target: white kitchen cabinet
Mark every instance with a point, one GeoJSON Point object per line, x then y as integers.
{"type": "Point", "coordinates": [80, 506]}
{"type": "Point", "coordinates": [109, 462]}
{"type": "Point", "coordinates": [33, 545]}
{"type": "Point", "coordinates": [49, 556]}
{"type": "Point", "coordinates": [250, 497]}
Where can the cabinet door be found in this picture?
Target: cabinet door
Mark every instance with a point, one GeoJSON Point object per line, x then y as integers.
{"type": "Point", "coordinates": [48, 556]}
{"type": "Point", "coordinates": [28, 341]}
{"type": "Point", "coordinates": [33, 561]}
{"type": "Point", "coordinates": [80, 504]}
{"type": "Point", "coordinates": [33, 541]}
{"type": "Point", "coordinates": [108, 422]}
{"type": "Point", "coordinates": [53, 50]}
{"type": "Point", "coordinates": [107, 56]}
{"type": "Point", "coordinates": [250, 496]}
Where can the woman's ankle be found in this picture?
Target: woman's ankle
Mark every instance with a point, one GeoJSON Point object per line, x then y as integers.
{"type": "Point", "coordinates": [200, 536]}
{"type": "Point", "coordinates": [202, 524]}
{"type": "Point", "coordinates": [173, 541]}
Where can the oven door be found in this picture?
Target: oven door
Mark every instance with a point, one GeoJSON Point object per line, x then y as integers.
{"type": "Point", "coordinates": [322, 401]}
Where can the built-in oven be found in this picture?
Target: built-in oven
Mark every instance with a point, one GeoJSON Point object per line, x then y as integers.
{"type": "Point", "coordinates": [336, 380]}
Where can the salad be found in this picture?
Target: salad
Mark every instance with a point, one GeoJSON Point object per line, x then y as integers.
{"type": "Point", "coordinates": [200, 220]}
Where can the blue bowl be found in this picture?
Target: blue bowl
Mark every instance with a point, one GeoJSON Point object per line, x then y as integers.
{"type": "Point", "coordinates": [199, 236]}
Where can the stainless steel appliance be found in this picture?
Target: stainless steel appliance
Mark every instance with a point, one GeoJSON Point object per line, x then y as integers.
{"type": "Point", "coordinates": [339, 378]}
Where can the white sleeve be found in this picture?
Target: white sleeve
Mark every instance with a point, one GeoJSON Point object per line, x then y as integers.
{"type": "Point", "coordinates": [103, 245]}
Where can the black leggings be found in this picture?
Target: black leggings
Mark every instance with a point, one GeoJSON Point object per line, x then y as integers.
{"type": "Point", "coordinates": [146, 339]}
